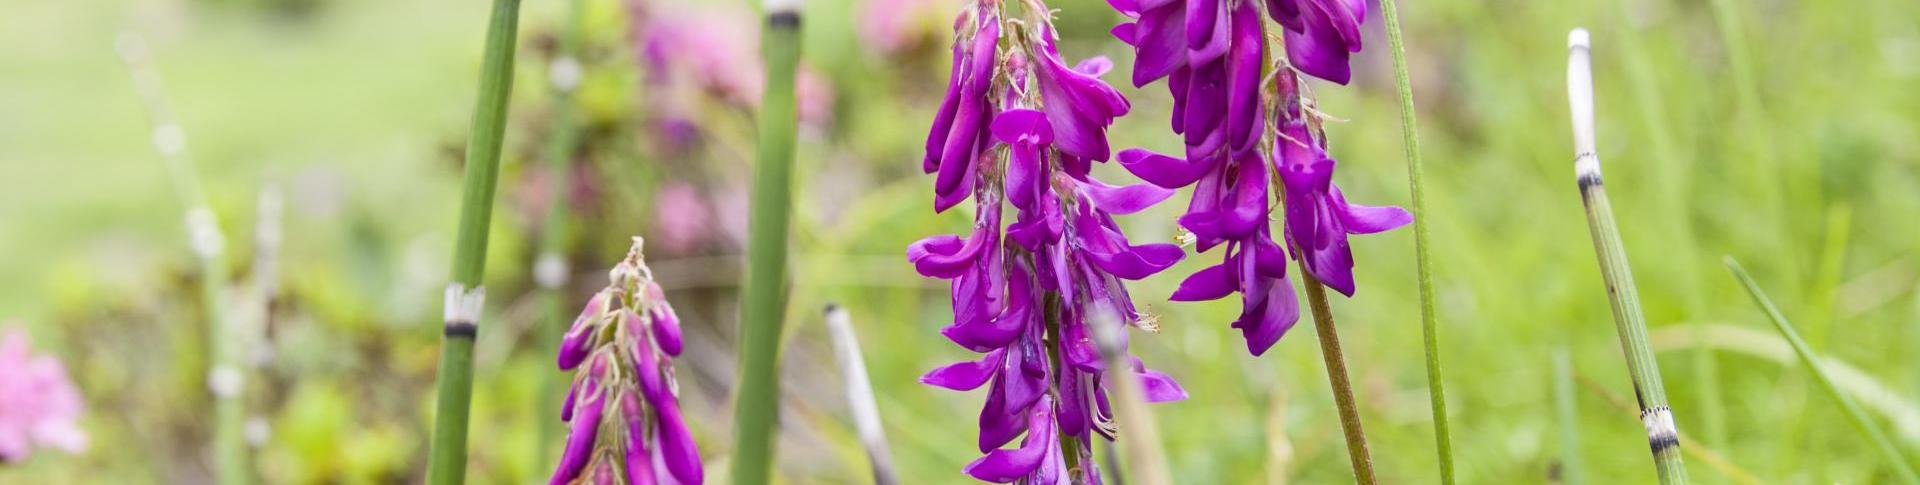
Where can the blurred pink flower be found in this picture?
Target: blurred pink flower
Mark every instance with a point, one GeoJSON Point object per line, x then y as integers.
{"type": "Point", "coordinates": [680, 217]}
{"type": "Point", "coordinates": [716, 50]}
{"type": "Point", "coordinates": [38, 405]}
{"type": "Point", "coordinates": [891, 25]}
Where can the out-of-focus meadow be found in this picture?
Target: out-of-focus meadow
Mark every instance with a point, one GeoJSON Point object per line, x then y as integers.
{"type": "Point", "coordinates": [1784, 133]}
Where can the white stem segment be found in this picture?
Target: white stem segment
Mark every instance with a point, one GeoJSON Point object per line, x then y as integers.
{"type": "Point", "coordinates": [866, 414]}
{"type": "Point", "coordinates": [1580, 99]}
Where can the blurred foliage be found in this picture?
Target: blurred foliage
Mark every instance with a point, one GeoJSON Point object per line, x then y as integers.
{"type": "Point", "coordinates": [1806, 166]}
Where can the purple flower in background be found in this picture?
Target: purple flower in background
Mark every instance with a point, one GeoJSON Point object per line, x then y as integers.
{"type": "Point", "coordinates": [892, 25]}
{"type": "Point", "coordinates": [1211, 54]}
{"type": "Point", "coordinates": [1025, 294]}
{"type": "Point", "coordinates": [38, 405]}
{"type": "Point", "coordinates": [624, 407]}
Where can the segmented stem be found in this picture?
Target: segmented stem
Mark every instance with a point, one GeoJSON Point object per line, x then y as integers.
{"type": "Point", "coordinates": [447, 459]}
{"type": "Point", "coordinates": [1663, 436]}
{"type": "Point", "coordinates": [763, 303]}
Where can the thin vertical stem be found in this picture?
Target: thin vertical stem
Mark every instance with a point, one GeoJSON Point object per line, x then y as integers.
{"type": "Point", "coordinates": [1429, 326]}
{"type": "Point", "coordinates": [1571, 470]}
{"type": "Point", "coordinates": [1336, 361]}
{"type": "Point", "coordinates": [1663, 435]}
{"type": "Point", "coordinates": [465, 297]}
{"type": "Point", "coordinates": [1855, 416]}
{"type": "Point", "coordinates": [866, 413]}
{"type": "Point", "coordinates": [226, 376]}
{"type": "Point", "coordinates": [763, 303]}
{"type": "Point", "coordinates": [1142, 443]}
{"type": "Point", "coordinates": [550, 267]}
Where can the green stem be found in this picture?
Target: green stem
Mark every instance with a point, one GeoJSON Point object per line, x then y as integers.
{"type": "Point", "coordinates": [447, 458]}
{"type": "Point", "coordinates": [1571, 470]}
{"type": "Point", "coordinates": [550, 267]}
{"type": "Point", "coordinates": [226, 377]}
{"type": "Point", "coordinates": [1429, 327]}
{"type": "Point", "coordinates": [763, 303]}
{"type": "Point", "coordinates": [1855, 416]}
{"type": "Point", "coordinates": [1663, 435]}
{"type": "Point", "coordinates": [1357, 453]}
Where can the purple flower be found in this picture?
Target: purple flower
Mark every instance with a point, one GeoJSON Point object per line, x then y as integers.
{"type": "Point", "coordinates": [1023, 293]}
{"type": "Point", "coordinates": [38, 405]}
{"type": "Point", "coordinates": [628, 383]}
{"type": "Point", "coordinates": [1318, 216]}
{"type": "Point", "coordinates": [1211, 53]}
{"type": "Point", "coordinates": [1321, 34]}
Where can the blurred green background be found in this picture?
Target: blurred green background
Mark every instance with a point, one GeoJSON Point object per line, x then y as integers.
{"type": "Point", "coordinates": [1780, 132]}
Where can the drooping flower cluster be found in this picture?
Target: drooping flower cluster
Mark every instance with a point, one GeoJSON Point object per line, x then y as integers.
{"type": "Point", "coordinates": [624, 409]}
{"type": "Point", "coordinates": [1242, 134]}
{"type": "Point", "coordinates": [38, 405]}
{"type": "Point", "coordinates": [1020, 127]}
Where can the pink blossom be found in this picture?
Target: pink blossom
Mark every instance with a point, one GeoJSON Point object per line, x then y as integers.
{"type": "Point", "coordinates": [38, 405]}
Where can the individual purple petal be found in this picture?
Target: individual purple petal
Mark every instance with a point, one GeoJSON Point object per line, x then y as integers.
{"type": "Point", "coordinates": [1268, 310]}
{"type": "Point", "coordinates": [1244, 62]}
{"type": "Point", "coordinates": [1108, 249]}
{"type": "Point", "coordinates": [1159, 41]}
{"type": "Point", "coordinates": [947, 256]}
{"type": "Point", "coordinates": [1319, 50]}
{"type": "Point", "coordinates": [666, 329]}
{"type": "Point", "coordinates": [1212, 283]}
{"type": "Point", "coordinates": [1360, 219]}
{"type": "Point", "coordinates": [1002, 329]}
{"type": "Point", "coordinates": [1158, 387]}
{"type": "Point", "coordinates": [1007, 466]}
{"type": "Point", "coordinates": [638, 458]}
{"type": "Point", "coordinates": [1080, 107]}
{"type": "Point", "coordinates": [566, 405]}
{"type": "Point", "coordinates": [964, 376]}
{"type": "Point", "coordinates": [676, 444]}
{"type": "Point", "coordinates": [575, 345]}
{"type": "Point", "coordinates": [997, 426]}
{"type": "Point", "coordinates": [1072, 414]}
{"type": "Point", "coordinates": [1204, 112]}
{"type": "Point", "coordinates": [1123, 199]}
{"type": "Point", "coordinates": [580, 437]}
{"type": "Point", "coordinates": [1207, 30]}
{"type": "Point", "coordinates": [1095, 66]}
{"type": "Point", "coordinates": [1161, 170]}
{"type": "Point", "coordinates": [943, 119]}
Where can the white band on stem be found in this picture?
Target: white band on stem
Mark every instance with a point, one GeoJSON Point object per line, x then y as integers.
{"type": "Point", "coordinates": [1580, 100]}
{"type": "Point", "coordinates": [225, 381]}
{"type": "Point", "coordinates": [1660, 427]}
{"type": "Point", "coordinates": [203, 232]}
{"type": "Point", "coordinates": [782, 6]}
{"type": "Point", "coordinates": [463, 305]}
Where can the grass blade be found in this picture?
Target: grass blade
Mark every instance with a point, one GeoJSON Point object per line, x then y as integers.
{"type": "Point", "coordinates": [1568, 409]}
{"type": "Point", "coordinates": [465, 297]}
{"type": "Point", "coordinates": [1855, 416]}
{"type": "Point", "coordinates": [1663, 436]}
{"type": "Point", "coordinates": [763, 303]}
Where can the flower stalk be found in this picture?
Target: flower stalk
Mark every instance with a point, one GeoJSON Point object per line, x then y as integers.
{"type": "Point", "coordinates": [1357, 452]}
{"type": "Point", "coordinates": [764, 300]}
{"type": "Point", "coordinates": [1429, 327]}
{"type": "Point", "coordinates": [226, 375]}
{"type": "Point", "coordinates": [1663, 435]}
{"type": "Point", "coordinates": [447, 458]}
{"type": "Point", "coordinates": [866, 412]}
{"type": "Point", "coordinates": [1855, 416]}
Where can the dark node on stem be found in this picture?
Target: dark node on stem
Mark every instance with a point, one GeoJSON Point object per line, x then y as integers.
{"type": "Point", "coordinates": [830, 308]}
{"type": "Point", "coordinates": [1587, 179]}
{"type": "Point", "coordinates": [461, 329]}
{"type": "Point", "coordinates": [784, 20]}
{"type": "Point", "coordinates": [1664, 442]}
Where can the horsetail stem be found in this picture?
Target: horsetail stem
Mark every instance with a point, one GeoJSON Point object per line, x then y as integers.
{"type": "Point", "coordinates": [465, 297]}
{"type": "Point", "coordinates": [226, 376]}
{"type": "Point", "coordinates": [763, 302]}
{"type": "Point", "coordinates": [1663, 435]}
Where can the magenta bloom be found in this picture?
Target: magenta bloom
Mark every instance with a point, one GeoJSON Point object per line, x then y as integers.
{"type": "Point", "coordinates": [627, 337]}
{"type": "Point", "coordinates": [1321, 34]}
{"type": "Point", "coordinates": [1025, 293]}
{"type": "Point", "coordinates": [38, 405]}
{"type": "Point", "coordinates": [1211, 53]}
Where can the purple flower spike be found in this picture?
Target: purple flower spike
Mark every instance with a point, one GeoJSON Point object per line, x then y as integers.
{"type": "Point", "coordinates": [1018, 293]}
{"type": "Point", "coordinates": [654, 444]}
